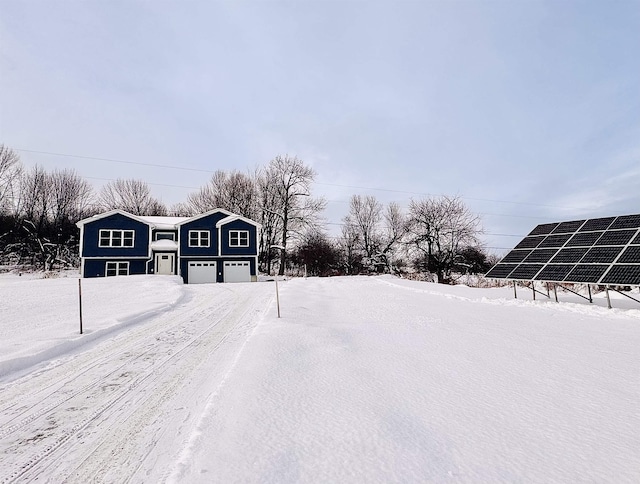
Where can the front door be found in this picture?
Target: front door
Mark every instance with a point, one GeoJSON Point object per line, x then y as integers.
{"type": "Point", "coordinates": [165, 264]}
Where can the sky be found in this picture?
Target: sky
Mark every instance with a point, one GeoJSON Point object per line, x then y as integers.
{"type": "Point", "coordinates": [527, 110]}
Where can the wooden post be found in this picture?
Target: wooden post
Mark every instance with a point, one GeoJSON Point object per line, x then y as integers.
{"type": "Point", "coordinates": [606, 289]}
{"type": "Point", "coordinates": [80, 301]}
{"type": "Point", "coordinates": [277, 295]}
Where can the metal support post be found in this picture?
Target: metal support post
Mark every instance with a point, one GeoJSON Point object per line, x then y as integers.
{"type": "Point", "coordinates": [533, 288]}
{"type": "Point", "coordinates": [606, 289]}
{"type": "Point", "coordinates": [589, 289]}
{"type": "Point", "coordinates": [515, 293]}
{"type": "Point", "coordinates": [555, 291]}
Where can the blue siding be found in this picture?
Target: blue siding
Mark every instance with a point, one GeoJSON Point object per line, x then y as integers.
{"type": "Point", "coordinates": [204, 223]}
{"type": "Point", "coordinates": [97, 268]}
{"type": "Point", "coordinates": [239, 225]}
{"type": "Point", "coordinates": [116, 222]}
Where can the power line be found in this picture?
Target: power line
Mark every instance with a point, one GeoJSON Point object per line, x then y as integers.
{"type": "Point", "coordinates": [200, 170]}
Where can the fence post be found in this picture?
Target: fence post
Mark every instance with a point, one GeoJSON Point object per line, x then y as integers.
{"type": "Point", "coordinates": [80, 301]}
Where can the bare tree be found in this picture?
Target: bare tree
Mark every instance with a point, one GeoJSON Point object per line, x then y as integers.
{"type": "Point", "coordinates": [10, 170]}
{"type": "Point", "coordinates": [233, 191]}
{"type": "Point", "coordinates": [365, 214]}
{"type": "Point", "coordinates": [396, 226]}
{"type": "Point", "coordinates": [375, 231]}
{"type": "Point", "coordinates": [440, 228]}
{"type": "Point", "coordinates": [132, 196]}
{"type": "Point", "coordinates": [289, 180]}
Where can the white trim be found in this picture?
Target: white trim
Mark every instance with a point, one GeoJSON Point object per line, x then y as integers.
{"type": "Point", "coordinates": [108, 214]}
{"type": "Point", "coordinates": [239, 245]}
{"type": "Point", "coordinates": [118, 264]}
{"type": "Point", "coordinates": [233, 217]}
{"type": "Point", "coordinates": [200, 232]}
{"type": "Point", "coordinates": [206, 214]}
{"type": "Point", "coordinates": [123, 233]}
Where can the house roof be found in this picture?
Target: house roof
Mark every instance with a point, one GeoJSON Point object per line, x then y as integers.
{"type": "Point", "coordinates": [232, 218]}
{"type": "Point", "coordinates": [169, 223]}
{"type": "Point", "coordinates": [99, 216]}
{"type": "Point", "coordinates": [164, 223]}
{"type": "Point", "coordinates": [206, 214]}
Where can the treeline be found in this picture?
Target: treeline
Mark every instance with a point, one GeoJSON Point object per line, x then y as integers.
{"type": "Point", "coordinates": [436, 236]}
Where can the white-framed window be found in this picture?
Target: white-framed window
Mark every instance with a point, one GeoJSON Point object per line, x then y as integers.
{"type": "Point", "coordinates": [118, 268]}
{"type": "Point", "coordinates": [116, 238]}
{"type": "Point", "coordinates": [165, 236]}
{"type": "Point", "coordinates": [238, 238]}
{"type": "Point", "coordinates": [199, 238]}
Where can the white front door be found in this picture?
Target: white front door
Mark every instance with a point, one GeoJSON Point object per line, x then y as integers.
{"type": "Point", "coordinates": [165, 264]}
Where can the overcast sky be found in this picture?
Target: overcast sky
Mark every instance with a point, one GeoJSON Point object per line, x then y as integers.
{"type": "Point", "coordinates": [528, 110]}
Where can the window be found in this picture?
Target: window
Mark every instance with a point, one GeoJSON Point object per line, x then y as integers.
{"type": "Point", "coordinates": [116, 238]}
{"type": "Point", "coordinates": [238, 238]}
{"type": "Point", "coordinates": [117, 269]}
{"type": "Point", "coordinates": [165, 236]}
{"type": "Point", "coordinates": [198, 238]}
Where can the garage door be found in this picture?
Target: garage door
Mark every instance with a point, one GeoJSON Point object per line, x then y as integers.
{"type": "Point", "coordinates": [237, 272]}
{"type": "Point", "coordinates": [201, 272]}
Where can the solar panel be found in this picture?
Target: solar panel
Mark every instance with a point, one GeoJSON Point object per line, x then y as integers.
{"type": "Point", "coordinates": [529, 243]}
{"type": "Point", "coordinates": [631, 254]}
{"type": "Point", "coordinates": [555, 240]}
{"type": "Point", "coordinates": [616, 237]}
{"type": "Point", "coordinates": [541, 255]}
{"type": "Point", "coordinates": [623, 274]}
{"type": "Point", "coordinates": [568, 227]}
{"type": "Point", "coordinates": [586, 239]}
{"type": "Point", "coordinates": [516, 256]}
{"type": "Point", "coordinates": [501, 271]}
{"type": "Point", "coordinates": [626, 222]}
{"type": "Point", "coordinates": [601, 255]}
{"type": "Point", "coordinates": [554, 272]}
{"type": "Point", "coordinates": [597, 224]}
{"type": "Point", "coordinates": [526, 272]}
{"type": "Point", "coordinates": [570, 255]}
{"type": "Point", "coordinates": [588, 273]}
{"type": "Point", "coordinates": [543, 229]}
{"type": "Point", "coordinates": [594, 251]}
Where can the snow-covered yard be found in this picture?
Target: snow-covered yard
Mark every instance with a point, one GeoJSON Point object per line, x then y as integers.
{"type": "Point", "coordinates": [363, 379]}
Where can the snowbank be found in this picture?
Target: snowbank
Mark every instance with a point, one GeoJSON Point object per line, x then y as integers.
{"type": "Point", "coordinates": [39, 318]}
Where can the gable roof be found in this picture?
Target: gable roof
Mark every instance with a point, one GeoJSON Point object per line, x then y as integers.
{"type": "Point", "coordinates": [168, 223]}
{"type": "Point", "coordinates": [206, 214]}
{"type": "Point", "coordinates": [99, 216]}
{"type": "Point", "coordinates": [232, 218]}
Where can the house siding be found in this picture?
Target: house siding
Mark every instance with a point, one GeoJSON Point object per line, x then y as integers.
{"type": "Point", "coordinates": [97, 267]}
{"type": "Point", "coordinates": [116, 222]}
{"type": "Point", "coordinates": [239, 225]}
{"type": "Point", "coordinates": [203, 223]}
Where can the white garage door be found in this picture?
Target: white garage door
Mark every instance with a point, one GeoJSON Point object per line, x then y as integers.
{"type": "Point", "coordinates": [237, 272]}
{"type": "Point", "coordinates": [201, 272]}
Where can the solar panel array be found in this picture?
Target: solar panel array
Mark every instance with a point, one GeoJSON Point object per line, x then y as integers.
{"type": "Point", "coordinates": [595, 251]}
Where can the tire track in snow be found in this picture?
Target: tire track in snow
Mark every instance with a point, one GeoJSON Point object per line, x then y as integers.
{"type": "Point", "coordinates": [32, 462]}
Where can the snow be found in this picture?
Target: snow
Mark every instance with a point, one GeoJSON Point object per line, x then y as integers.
{"type": "Point", "coordinates": [363, 379]}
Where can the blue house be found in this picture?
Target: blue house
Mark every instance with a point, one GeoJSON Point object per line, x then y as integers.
{"type": "Point", "coordinates": [217, 246]}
